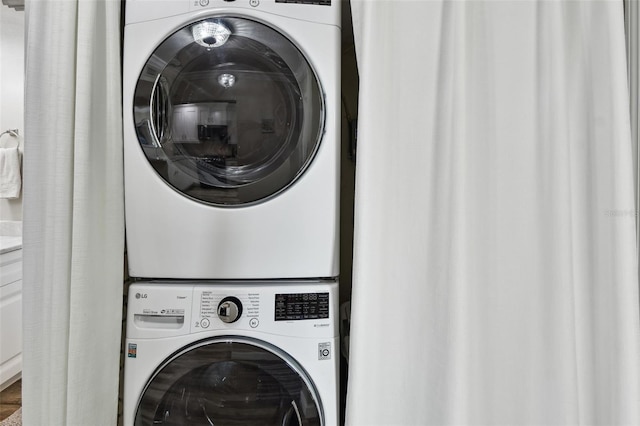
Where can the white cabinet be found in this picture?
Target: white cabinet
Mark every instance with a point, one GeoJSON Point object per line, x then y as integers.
{"type": "Point", "coordinates": [10, 317]}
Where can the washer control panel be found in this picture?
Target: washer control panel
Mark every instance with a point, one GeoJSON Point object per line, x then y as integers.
{"type": "Point", "coordinates": [288, 309]}
{"type": "Point", "coordinates": [164, 309]}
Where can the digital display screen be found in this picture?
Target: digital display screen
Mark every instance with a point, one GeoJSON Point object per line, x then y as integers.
{"type": "Point", "coordinates": [301, 306]}
{"type": "Point", "coordinates": [318, 2]}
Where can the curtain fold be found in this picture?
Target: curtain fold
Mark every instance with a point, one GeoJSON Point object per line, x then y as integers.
{"type": "Point", "coordinates": [495, 264]}
{"type": "Point", "coordinates": [73, 233]}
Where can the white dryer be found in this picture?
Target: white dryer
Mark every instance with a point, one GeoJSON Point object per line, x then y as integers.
{"type": "Point", "coordinates": [231, 125]}
{"type": "Point", "coordinates": [232, 354]}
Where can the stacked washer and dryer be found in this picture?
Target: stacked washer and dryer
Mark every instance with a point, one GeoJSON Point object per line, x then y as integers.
{"type": "Point", "coordinates": [231, 125]}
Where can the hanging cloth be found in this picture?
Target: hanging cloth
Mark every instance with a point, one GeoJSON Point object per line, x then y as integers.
{"type": "Point", "coordinates": [494, 251]}
{"type": "Point", "coordinates": [73, 214]}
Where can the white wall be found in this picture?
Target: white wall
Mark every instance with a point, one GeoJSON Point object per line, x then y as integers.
{"type": "Point", "coordinates": [11, 89]}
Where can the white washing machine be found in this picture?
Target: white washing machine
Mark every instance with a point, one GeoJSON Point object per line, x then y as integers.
{"type": "Point", "coordinates": [232, 354]}
{"type": "Point", "coordinates": [231, 128]}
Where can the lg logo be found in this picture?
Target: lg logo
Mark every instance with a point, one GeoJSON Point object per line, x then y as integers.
{"type": "Point", "coordinates": [141, 295]}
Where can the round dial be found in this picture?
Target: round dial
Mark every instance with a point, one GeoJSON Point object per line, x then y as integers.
{"type": "Point", "coordinates": [230, 309]}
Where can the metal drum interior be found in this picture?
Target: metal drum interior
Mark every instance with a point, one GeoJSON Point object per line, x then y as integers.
{"type": "Point", "coordinates": [230, 381]}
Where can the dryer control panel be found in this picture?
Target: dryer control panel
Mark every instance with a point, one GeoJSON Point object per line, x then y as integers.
{"type": "Point", "coordinates": [318, 11]}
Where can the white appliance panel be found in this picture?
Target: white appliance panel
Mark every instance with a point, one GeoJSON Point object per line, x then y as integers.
{"type": "Point", "coordinates": [312, 348]}
{"type": "Point", "coordinates": [291, 235]}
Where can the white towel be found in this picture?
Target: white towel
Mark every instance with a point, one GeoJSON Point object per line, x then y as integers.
{"type": "Point", "coordinates": [10, 180]}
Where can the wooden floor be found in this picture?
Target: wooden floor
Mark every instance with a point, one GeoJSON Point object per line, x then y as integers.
{"type": "Point", "coordinates": [10, 399]}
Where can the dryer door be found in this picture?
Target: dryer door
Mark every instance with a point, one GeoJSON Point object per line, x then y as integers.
{"type": "Point", "coordinates": [230, 381]}
{"type": "Point", "coordinates": [228, 111]}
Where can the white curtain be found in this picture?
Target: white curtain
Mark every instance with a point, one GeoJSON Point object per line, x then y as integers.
{"type": "Point", "coordinates": [73, 213]}
{"type": "Point", "coordinates": [495, 254]}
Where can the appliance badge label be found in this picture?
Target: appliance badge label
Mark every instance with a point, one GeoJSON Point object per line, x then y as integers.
{"type": "Point", "coordinates": [324, 351]}
{"type": "Point", "coordinates": [132, 351]}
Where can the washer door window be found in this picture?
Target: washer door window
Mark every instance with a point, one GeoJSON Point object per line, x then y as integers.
{"type": "Point", "coordinates": [228, 111]}
{"type": "Point", "coordinates": [232, 381]}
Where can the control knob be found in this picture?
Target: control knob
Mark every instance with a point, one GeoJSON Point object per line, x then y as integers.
{"type": "Point", "coordinates": [230, 309]}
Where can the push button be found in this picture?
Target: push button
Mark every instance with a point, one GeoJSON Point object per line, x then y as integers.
{"type": "Point", "coordinates": [254, 3]}
{"type": "Point", "coordinates": [204, 3]}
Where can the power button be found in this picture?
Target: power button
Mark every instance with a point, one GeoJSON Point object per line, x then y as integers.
{"type": "Point", "coordinates": [254, 3]}
{"type": "Point", "coordinates": [204, 3]}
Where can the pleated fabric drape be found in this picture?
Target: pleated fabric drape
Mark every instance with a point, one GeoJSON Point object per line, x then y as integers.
{"type": "Point", "coordinates": [73, 213]}
{"type": "Point", "coordinates": [495, 269]}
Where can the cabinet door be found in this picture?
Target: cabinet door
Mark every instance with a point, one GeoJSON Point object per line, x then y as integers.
{"type": "Point", "coordinates": [10, 330]}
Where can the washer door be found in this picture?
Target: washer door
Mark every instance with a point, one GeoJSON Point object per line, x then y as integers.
{"type": "Point", "coordinates": [228, 111]}
{"type": "Point", "coordinates": [230, 381]}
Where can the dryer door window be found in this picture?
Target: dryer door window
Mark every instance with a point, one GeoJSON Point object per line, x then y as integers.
{"type": "Point", "coordinates": [228, 111]}
{"type": "Point", "coordinates": [230, 381]}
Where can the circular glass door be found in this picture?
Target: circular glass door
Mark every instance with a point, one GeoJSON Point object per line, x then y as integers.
{"type": "Point", "coordinates": [226, 382]}
{"type": "Point", "coordinates": [228, 111]}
